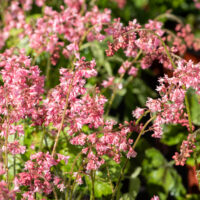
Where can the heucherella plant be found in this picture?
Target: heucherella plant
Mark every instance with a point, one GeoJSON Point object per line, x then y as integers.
{"type": "Point", "coordinates": [61, 78]}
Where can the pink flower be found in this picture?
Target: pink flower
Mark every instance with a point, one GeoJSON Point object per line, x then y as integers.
{"type": "Point", "coordinates": [5, 193]}
{"type": "Point", "coordinates": [138, 112]}
{"type": "Point", "coordinates": [15, 148]}
{"type": "Point", "coordinates": [186, 149]}
{"type": "Point", "coordinates": [108, 83]}
{"type": "Point", "coordinates": [155, 198]}
{"type": "Point", "coordinates": [133, 71]}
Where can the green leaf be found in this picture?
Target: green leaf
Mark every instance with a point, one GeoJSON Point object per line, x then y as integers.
{"type": "Point", "coordinates": [161, 177]}
{"type": "Point", "coordinates": [173, 134]}
{"type": "Point", "coordinates": [194, 106]}
{"type": "Point", "coordinates": [140, 3]}
{"type": "Point", "coordinates": [134, 184]}
{"type": "Point", "coordinates": [101, 188]}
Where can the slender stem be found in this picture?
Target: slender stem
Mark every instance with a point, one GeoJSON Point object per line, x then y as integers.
{"type": "Point", "coordinates": [83, 6]}
{"type": "Point", "coordinates": [55, 194]}
{"type": "Point", "coordinates": [137, 57]}
{"type": "Point", "coordinates": [33, 60]}
{"type": "Point", "coordinates": [115, 89]}
{"type": "Point", "coordinates": [169, 16]}
{"type": "Point", "coordinates": [109, 177]}
{"type": "Point", "coordinates": [67, 96]}
{"type": "Point", "coordinates": [140, 118]}
{"type": "Point", "coordinates": [126, 162]}
{"type": "Point", "coordinates": [74, 183]}
{"type": "Point", "coordinates": [188, 112]}
{"type": "Point", "coordinates": [48, 71]}
{"type": "Point", "coordinates": [14, 160]}
{"type": "Point", "coordinates": [71, 173]}
{"type": "Point", "coordinates": [142, 131]}
{"type": "Point", "coordinates": [46, 143]}
{"type": "Point", "coordinates": [113, 97]}
{"type": "Point", "coordinates": [63, 115]}
{"type": "Point", "coordinates": [6, 149]}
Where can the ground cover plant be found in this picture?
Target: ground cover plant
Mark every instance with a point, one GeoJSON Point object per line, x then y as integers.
{"type": "Point", "coordinates": [99, 102]}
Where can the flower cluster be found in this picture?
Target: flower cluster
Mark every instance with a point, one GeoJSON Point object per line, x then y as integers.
{"type": "Point", "coordinates": [197, 4]}
{"type": "Point", "coordinates": [134, 38]}
{"type": "Point", "coordinates": [5, 193]}
{"type": "Point", "coordinates": [170, 107]}
{"type": "Point", "coordinates": [186, 149]}
{"type": "Point", "coordinates": [76, 107]}
{"type": "Point", "coordinates": [21, 90]}
{"type": "Point", "coordinates": [38, 176]}
{"type": "Point", "coordinates": [86, 108]}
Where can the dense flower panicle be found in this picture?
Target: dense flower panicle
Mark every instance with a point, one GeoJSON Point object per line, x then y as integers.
{"type": "Point", "coordinates": [133, 38]}
{"type": "Point", "coordinates": [38, 176]}
{"type": "Point", "coordinates": [97, 20]}
{"type": "Point", "coordinates": [86, 108]}
{"type": "Point", "coordinates": [5, 193]}
{"type": "Point", "coordinates": [15, 148]}
{"type": "Point", "coordinates": [56, 100]}
{"type": "Point", "coordinates": [170, 107]}
{"type": "Point", "coordinates": [22, 86]}
{"type": "Point", "coordinates": [70, 24]}
{"type": "Point", "coordinates": [14, 16]}
{"type": "Point", "coordinates": [46, 32]}
{"type": "Point", "coordinates": [106, 142]}
{"type": "Point", "coordinates": [20, 94]}
{"type": "Point", "coordinates": [186, 149]}
{"type": "Point", "coordinates": [186, 35]}
{"type": "Point", "coordinates": [74, 108]}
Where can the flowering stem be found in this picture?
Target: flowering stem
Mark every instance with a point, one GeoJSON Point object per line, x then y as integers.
{"type": "Point", "coordinates": [64, 112]}
{"type": "Point", "coordinates": [74, 183]}
{"type": "Point", "coordinates": [126, 162]}
{"type": "Point", "coordinates": [188, 112]}
{"type": "Point", "coordinates": [67, 96]}
{"type": "Point", "coordinates": [14, 160]}
{"type": "Point", "coordinates": [72, 171]}
{"type": "Point", "coordinates": [113, 97]}
{"type": "Point", "coordinates": [109, 177]}
{"type": "Point", "coordinates": [169, 16]}
{"type": "Point", "coordinates": [140, 118]}
{"type": "Point", "coordinates": [163, 43]}
{"type": "Point", "coordinates": [6, 149]}
{"type": "Point", "coordinates": [115, 89]}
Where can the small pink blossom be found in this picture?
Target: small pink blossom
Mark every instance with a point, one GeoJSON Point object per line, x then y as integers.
{"type": "Point", "coordinates": [138, 112]}
{"type": "Point", "coordinates": [155, 198]}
